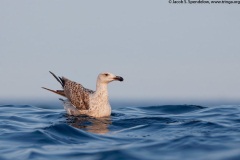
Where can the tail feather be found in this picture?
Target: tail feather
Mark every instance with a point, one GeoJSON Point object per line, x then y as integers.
{"type": "Point", "coordinates": [59, 92]}
{"type": "Point", "coordinates": [59, 79]}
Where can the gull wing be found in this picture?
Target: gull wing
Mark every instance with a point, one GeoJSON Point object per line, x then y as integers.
{"type": "Point", "coordinates": [77, 94]}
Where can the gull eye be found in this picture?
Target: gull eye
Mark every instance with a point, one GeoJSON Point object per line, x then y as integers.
{"type": "Point", "coordinates": [106, 74]}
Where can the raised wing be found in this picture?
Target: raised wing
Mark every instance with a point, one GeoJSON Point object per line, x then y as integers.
{"type": "Point", "coordinates": [77, 94]}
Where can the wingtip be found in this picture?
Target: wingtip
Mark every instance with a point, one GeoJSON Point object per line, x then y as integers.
{"type": "Point", "coordinates": [45, 88]}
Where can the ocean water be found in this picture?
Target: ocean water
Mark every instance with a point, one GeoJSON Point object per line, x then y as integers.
{"type": "Point", "coordinates": [142, 133]}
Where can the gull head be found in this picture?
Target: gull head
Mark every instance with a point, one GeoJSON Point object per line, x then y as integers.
{"type": "Point", "coordinates": [107, 77]}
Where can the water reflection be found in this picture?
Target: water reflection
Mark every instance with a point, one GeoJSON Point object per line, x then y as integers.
{"type": "Point", "coordinates": [90, 124]}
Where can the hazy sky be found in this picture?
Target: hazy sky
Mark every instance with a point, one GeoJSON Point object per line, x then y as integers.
{"type": "Point", "coordinates": [163, 51]}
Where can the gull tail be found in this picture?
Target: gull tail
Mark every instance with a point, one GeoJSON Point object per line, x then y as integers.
{"type": "Point", "coordinates": [59, 92]}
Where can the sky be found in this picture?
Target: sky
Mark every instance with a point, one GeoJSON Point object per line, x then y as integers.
{"type": "Point", "coordinates": [164, 52]}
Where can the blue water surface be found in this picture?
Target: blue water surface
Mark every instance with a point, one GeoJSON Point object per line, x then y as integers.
{"type": "Point", "coordinates": [147, 133]}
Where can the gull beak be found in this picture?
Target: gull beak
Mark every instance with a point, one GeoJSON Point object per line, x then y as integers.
{"type": "Point", "coordinates": [118, 78]}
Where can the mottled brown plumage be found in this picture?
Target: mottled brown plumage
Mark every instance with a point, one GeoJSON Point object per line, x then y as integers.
{"type": "Point", "coordinates": [77, 94]}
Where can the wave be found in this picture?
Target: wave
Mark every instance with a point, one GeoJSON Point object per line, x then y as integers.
{"type": "Point", "coordinates": [150, 132]}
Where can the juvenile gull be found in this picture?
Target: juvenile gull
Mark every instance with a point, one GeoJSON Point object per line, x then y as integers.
{"type": "Point", "coordinates": [81, 100]}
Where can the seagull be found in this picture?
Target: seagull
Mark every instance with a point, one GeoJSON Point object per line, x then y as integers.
{"type": "Point", "coordinates": [83, 101]}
